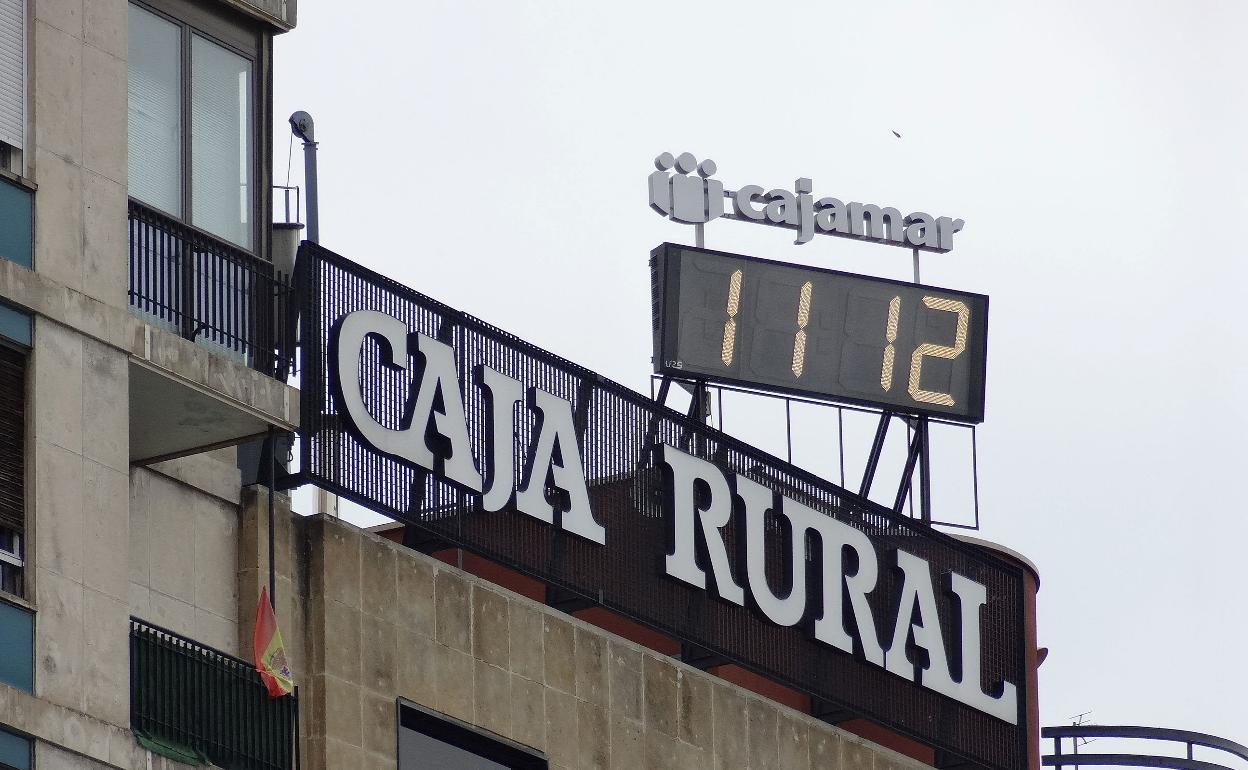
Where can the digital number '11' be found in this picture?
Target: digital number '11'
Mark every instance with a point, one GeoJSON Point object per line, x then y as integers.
{"type": "Point", "coordinates": [730, 326]}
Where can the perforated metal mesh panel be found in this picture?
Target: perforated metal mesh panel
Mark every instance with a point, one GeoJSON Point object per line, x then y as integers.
{"type": "Point", "coordinates": [619, 430]}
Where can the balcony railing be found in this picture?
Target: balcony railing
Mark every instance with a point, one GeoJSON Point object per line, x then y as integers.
{"type": "Point", "coordinates": [1145, 755]}
{"type": "Point", "coordinates": [193, 696]}
{"type": "Point", "coordinates": [210, 292]}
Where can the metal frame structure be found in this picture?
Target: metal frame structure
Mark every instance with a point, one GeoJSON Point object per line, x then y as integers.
{"type": "Point", "coordinates": [1190, 739]}
{"type": "Point", "coordinates": [918, 430]}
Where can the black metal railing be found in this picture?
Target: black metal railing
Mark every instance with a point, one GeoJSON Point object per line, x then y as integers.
{"type": "Point", "coordinates": [209, 291]}
{"type": "Point", "coordinates": [197, 697]}
{"type": "Point", "coordinates": [1146, 758]}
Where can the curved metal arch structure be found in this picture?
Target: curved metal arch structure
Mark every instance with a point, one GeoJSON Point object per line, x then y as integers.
{"type": "Point", "coordinates": [1189, 738]}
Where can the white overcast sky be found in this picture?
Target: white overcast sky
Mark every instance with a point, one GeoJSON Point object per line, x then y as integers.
{"type": "Point", "coordinates": [494, 155]}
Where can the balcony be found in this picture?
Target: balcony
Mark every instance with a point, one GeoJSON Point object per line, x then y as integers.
{"type": "Point", "coordinates": [208, 291]}
{"type": "Point", "coordinates": [233, 306]}
{"type": "Point", "coordinates": [196, 702]}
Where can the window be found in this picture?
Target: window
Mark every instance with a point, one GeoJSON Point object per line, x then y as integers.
{"type": "Point", "coordinates": [17, 646]}
{"type": "Point", "coordinates": [16, 223]}
{"type": "Point", "coordinates": [15, 751]}
{"type": "Point", "coordinates": [14, 342]}
{"type": "Point", "coordinates": [434, 742]}
{"type": "Point", "coordinates": [16, 218]}
{"type": "Point", "coordinates": [191, 137]}
{"type": "Point", "coordinates": [12, 84]}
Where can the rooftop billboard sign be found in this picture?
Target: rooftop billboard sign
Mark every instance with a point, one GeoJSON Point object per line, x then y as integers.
{"type": "Point", "coordinates": [486, 442]}
{"type": "Point", "coordinates": [678, 194]}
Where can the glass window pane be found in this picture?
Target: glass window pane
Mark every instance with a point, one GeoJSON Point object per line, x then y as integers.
{"type": "Point", "coordinates": [17, 647]}
{"type": "Point", "coordinates": [14, 751]}
{"type": "Point", "coordinates": [154, 110]}
{"type": "Point", "coordinates": [421, 751]}
{"type": "Point", "coordinates": [221, 189]}
{"type": "Point", "coordinates": [16, 242]}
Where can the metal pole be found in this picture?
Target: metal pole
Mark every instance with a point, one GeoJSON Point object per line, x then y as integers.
{"type": "Point", "coordinates": [302, 125]}
{"type": "Point", "coordinates": [788, 428]}
{"type": "Point", "coordinates": [925, 472]}
{"type": "Point", "coordinates": [272, 442]}
{"type": "Point", "coordinates": [916, 265]}
{"type": "Point", "coordinates": [873, 459]}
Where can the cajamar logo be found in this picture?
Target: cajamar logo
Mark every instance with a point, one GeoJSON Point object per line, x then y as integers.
{"type": "Point", "coordinates": [680, 195]}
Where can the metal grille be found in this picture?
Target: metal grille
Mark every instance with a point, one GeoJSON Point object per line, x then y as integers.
{"type": "Point", "coordinates": [619, 430]}
{"type": "Point", "coordinates": [206, 290]}
{"type": "Point", "coordinates": [190, 694]}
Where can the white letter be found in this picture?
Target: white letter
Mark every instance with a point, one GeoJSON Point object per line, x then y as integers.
{"type": "Point", "coordinates": [921, 230]}
{"type": "Point", "coordinates": [782, 207]}
{"type": "Point", "coordinates": [947, 227]}
{"type": "Point", "coordinates": [684, 471]}
{"type": "Point", "coordinates": [439, 374]}
{"type": "Point", "coordinates": [501, 395]}
{"type": "Point", "coordinates": [348, 339]}
{"type": "Point", "coordinates": [835, 536]}
{"type": "Point", "coordinates": [743, 199]}
{"type": "Point", "coordinates": [917, 587]}
{"type": "Point", "coordinates": [556, 454]}
{"type": "Point", "coordinates": [972, 596]}
{"type": "Point", "coordinates": [758, 500]}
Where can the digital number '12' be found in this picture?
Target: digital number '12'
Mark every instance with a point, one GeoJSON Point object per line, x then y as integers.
{"type": "Point", "coordinates": [926, 349]}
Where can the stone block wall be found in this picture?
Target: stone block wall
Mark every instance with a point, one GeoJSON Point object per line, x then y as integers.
{"type": "Point", "coordinates": [77, 516]}
{"type": "Point", "coordinates": [78, 523]}
{"type": "Point", "coordinates": [184, 541]}
{"type": "Point", "coordinates": [382, 622]}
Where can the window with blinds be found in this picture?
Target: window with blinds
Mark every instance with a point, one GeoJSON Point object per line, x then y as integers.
{"type": "Point", "coordinates": [191, 105]}
{"type": "Point", "coordinates": [221, 141]}
{"type": "Point", "coordinates": [154, 111]}
{"type": "Point", "coordinates": [13, 72]}
{"type": "Point", "coordinates": [12, 468]}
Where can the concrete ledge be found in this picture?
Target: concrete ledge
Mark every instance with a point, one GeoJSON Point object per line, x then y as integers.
{"type": "Point", "coordinates": [77, 733]}
{"type": "Point", "coordinates": [279, 13]}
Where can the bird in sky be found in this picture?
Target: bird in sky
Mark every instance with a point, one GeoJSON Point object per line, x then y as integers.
{"type": "Point", "coordinates": [896, 134]}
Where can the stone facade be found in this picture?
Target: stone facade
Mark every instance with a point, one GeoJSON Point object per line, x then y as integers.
{"type": "Point", "coordinates": [381, 622]}
{"type": "Point", "coordinates": [106, 539]}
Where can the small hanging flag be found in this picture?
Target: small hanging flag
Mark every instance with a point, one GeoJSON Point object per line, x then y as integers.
{"type": "Point", "coordinates": [269, 652]}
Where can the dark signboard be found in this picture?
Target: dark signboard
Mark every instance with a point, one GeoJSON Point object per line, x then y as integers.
{"type": "Point", "coordinates": [482, 440]}
{"type": "Point", "coordinates": [822, 333]}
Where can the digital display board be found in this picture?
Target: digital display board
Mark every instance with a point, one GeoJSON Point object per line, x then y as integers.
{"type": "Point", "coordinates": [899, 346]}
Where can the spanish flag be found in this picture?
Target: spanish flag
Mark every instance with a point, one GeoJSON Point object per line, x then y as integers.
{"type": "Point", "coordinates": [270, 653]}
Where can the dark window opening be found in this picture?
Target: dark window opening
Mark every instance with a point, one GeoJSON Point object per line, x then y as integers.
{"type": "Point", "coordinates": [432, 742]}
{"type": "Point", "coordinates": [12, 469]}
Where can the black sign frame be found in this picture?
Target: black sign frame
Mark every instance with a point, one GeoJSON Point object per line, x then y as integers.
{"type": "Point", "coordinates": [619, 430]}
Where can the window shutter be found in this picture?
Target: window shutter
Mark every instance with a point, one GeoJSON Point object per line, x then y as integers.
{"type": "Point", "coordinates": [12, 438]}
{"type": "Point", "coordinates": [12, 71]}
